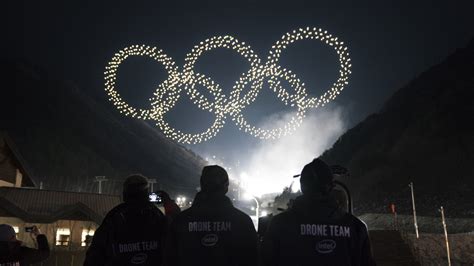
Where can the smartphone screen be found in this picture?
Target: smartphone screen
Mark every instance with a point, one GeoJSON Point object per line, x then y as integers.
{"type": "Point", "coordinates": [153, 197]}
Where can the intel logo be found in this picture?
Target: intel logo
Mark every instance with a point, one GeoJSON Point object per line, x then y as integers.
{"type": "Point", "coordinates": [209, 240]}
{"type": "Point", "coordinates": [326, 246]}
{"type": "Point", "coordinates": [140, 258]}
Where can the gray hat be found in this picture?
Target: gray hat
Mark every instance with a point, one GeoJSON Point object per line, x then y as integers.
{"type": "Point", "coordinates": [7, 233]}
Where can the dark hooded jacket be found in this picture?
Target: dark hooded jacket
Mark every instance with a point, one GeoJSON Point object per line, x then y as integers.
{"type": "Point", "coordinates": [131, 233]}
{"type": "Point", "coordinates": [212, 232]}
{"type": "Point", "coordinates": [316, 232]}
{"type": "Point", "coordinates": [12, 253]}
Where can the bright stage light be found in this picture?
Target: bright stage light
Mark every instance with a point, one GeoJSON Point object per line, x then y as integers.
{"type": "Point", "coordinates": [168, 92]}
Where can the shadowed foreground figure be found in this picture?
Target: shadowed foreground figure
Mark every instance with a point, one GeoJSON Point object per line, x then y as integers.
{"type": "Point", "coordinates": [132, 233]}
{"type": "Point", "coordinates": [12, 253]}
{"type": "Point", "coordinates": [171, 208]}
{"type": "Point", "coordinates": [212, 232]}
{"type": "Point", "coordinates": [315, 231]}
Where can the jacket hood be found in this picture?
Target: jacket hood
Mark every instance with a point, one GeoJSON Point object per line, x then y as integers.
{"type": "Point", "coordinates": [9, 251]}
{"type": "Point", "coordinates": [317, 205]}
{"type": "Point", "coordinates": [210, 200]}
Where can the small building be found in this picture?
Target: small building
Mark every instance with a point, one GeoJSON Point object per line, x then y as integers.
{"type": "Point", "coordinates": [68, 219]}
{"type": "Point", "coordinates": [14, 172]}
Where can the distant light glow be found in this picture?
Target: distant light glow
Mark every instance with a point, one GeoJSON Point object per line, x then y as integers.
{"type": "Point", "coordinates": [168, 92]}
{"type": "Point", "coordinates": [264, 213]}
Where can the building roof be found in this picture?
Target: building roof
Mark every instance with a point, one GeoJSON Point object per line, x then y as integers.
{"type": "Point", "coordinates": [19, 161]}
{"type": "Point", "coordinates": [47, 206]}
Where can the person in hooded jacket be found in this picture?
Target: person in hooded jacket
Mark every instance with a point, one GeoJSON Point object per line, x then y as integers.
{"type": "Point", "coordinates": [171, 208]}
{"type": "Point", "coordinates": [12, 253]}
{"type": "Point", "coordinates": [132, 233]}
{"type": "Point", "coordinates": [212, 232]}
{"type": "Point", "coordinates": [316, 231]}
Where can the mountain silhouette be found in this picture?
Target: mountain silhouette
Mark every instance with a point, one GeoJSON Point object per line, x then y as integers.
{"type": "Point", "coordinates": [68, 138]}
{"type": "Point", "coordinates": [423, 134]}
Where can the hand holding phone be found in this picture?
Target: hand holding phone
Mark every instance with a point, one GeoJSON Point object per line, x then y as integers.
{"type": "Point", "coordinates": [33, 230]}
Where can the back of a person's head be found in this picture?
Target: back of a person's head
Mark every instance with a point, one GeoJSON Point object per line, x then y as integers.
{"type": "Point", "coordinates": [316, 178]}
{"type": "Point", "coordinates": [214, 180]}
{"type": "Point", "coordinates": [7, 233]}
{"type": "Point", "coordinates": [135, 189]}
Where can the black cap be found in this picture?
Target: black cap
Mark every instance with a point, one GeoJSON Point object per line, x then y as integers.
{"type": "Point", "coordinates": [214, 180]}
{"type": "Point", "coordinates": [316, 177]}
{"type": "Point", "coordinates": [135, 188]}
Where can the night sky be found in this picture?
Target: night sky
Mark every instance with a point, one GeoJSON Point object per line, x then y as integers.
{"type": "Point", "coordinates": [390, 43]}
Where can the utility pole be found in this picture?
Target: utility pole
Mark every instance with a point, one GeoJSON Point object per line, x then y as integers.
{"type": "Point", "coordinates": [257, 209]}
{"type": "Point", "coordinates": [445, 234]}
{"type": "Point", "coordinates": [414, 209]}
{"type": "Point", "coordinates": [152, 182]}
{"type": "Point", "coordinates": [100, 179]}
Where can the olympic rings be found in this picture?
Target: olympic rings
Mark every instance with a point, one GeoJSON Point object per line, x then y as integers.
{"type": "Point", "coordinates": [169, 91]}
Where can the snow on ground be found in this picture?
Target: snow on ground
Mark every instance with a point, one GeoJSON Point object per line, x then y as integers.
{"type": "Point", "coordinates": [430, 248]}
{"type": "Point", "coordinates": [377, 221]}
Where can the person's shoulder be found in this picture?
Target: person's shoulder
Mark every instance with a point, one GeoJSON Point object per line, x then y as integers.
{"type": "Point", "coordinates": [282, 219]}
{"type": "Point", "coordinates": [240, 218]}
{"type": "Point", "coordinates": [115, 210]}
{"type": "Point", "coordinates": [10, 249]}
{"type": "Point", "coordinates": [356, 222]}
{"type": "Point", "coordinates": [239, 214]}
{"type": "Point", "coordinates": [148, 211]}
{"type": "Point", "coordinates": [283, 216]}
{"type": "Point", "coordinates": [184, 215]}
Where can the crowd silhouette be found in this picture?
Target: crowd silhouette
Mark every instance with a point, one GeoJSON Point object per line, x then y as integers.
{"type": "Point", "coordinates": [314, 230]}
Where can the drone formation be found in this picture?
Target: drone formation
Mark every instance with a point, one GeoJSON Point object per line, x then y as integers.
{"type": "Point", "coordinates": [169, 91]}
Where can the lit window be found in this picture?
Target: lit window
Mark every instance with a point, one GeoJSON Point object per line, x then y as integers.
{"type": "Point", "coordinates": [62, 236]}
{"type": "Point", "coordinates": [86, 237]}
{"type": "Point", "coordinates": [17, 230]}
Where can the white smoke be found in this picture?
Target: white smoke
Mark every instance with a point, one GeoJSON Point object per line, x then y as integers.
{"type": "Point", "coordinates": [272, 164]}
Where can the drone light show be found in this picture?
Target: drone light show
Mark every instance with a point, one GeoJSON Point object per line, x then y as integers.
{"type": "Point", "coordinates": [169, 91]}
